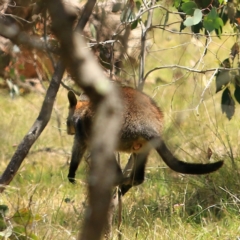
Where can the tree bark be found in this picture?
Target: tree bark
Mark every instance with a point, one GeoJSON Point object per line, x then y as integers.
{"type": "Point", "coordinates": [106, 100]}
{"type": "Point", "coordinates": [35, 130]}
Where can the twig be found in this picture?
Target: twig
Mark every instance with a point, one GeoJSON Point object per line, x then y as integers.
{"type": "Point", "coordinates": [162, 27]}
{"type": "Point", "coordinates": [188, 69]}
{"type": "Point", "coordinates": [205, 89]}
{"type": "Point", "coordinates": [143, 47]}
{"type": "Point", "coordinates": [208, 41]}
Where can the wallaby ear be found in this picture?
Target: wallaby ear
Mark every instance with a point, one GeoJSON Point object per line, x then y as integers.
{"type": "Point", "coordinates": [72, 99]}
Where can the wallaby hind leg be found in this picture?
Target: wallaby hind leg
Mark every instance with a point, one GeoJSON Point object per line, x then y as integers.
{"type": "Point", "coordinates": [134, 171]}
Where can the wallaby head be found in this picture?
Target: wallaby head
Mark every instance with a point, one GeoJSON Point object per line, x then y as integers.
{"type": "Point", "coordinates": [79, 114]}
{"type": "Point", "coordinates": [140, 132]}
{"type": "Point", "coordinates": [78, 111]}
{"type": "Point", "coordinates": [72, 107]}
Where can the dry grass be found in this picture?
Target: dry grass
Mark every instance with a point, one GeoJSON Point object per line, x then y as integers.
{"type": "Point", "coordinates": [167, 205]}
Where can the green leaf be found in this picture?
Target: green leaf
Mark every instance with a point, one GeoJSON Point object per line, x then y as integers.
{"type": "Point", "coordinates": [24, 216]}
{"type": "Point", "coordinates": [138, 5]}
{"type": "Point", "coordinates": [208, 24]}
{"type": "Point", "coordinates": [223, 77]}
{"type": "Point", "coordinates": [21, 234]}
{"type": "Point", "coordinates": [197, 28]}
{"type": "Point", "coordinates": [188, 22]}
{"type": "Point", "coordinates": [226, 63]}
{"type": "Point", "coordinates": [213, 13]}
{"type": "Point", "coordinates": [3, 210]}
{"type": "Point", "coordinates": [237, 93]}
{"type": "Point", "coordinates": [182, 26]}
{"type": "Point", "coordinates": [237, 79]}
{"type": "Point", "coordinates": [228, 104]}
{"type": "Point", "coordinates": [134, 24]}
{"type": "Point", "coordinates": [212, 21]}
{"type": "Point", "coordinates": [189, 7]}
{"type": "Point", "coordinates": [219, 22]}
{"type": "Point", "coordinates": [3, 225]}
{"type": "Point", "coordinates": [197, 16]}
{"type": "Point", "coordinates": [176, 3]}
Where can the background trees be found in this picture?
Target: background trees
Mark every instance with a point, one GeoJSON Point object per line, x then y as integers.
{"type": "Point", "coordinates": [190, 48]}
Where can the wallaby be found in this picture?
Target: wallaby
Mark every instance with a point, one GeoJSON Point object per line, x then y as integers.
{"type": "Point", "coordinates": [140, 132]}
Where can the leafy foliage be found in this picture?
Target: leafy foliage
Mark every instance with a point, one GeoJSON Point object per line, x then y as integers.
{"type": "Point", "coordinates": [212, 21]}
{"type": "Point", "coordinates": [229, 79]}
{"type": "Point", "coordinates": [195, 19]}
{"type": "Point", "coordinates": [20, 222]}
{"type": "Point", "coordinates": [223, 77]}
{"type": "Point", "coordinates": [237, 93]}
{"type": "Point", "coordinates": [189, 7]}
{"type": "Point", "coordinates": [207, 15]}
{"type": "Point", "coordinates": [211, 16]}
{"type": "Point", "coordinates": [228, 104]}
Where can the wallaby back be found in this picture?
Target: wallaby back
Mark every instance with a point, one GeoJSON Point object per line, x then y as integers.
{"type": "Point", "coordinates": [140, 132]}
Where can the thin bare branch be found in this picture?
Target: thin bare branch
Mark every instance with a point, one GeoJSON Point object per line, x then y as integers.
{"type": "Point", "coordinates": [145, 30]}
{"type": "Point", "coordinates": [188, 69]}
{"type": "Point", "coordinates": [157, 6]}
{"type": "Point", "coordinates": [163, 27]}
{"type": "Point", "coordinates": [206, 88]}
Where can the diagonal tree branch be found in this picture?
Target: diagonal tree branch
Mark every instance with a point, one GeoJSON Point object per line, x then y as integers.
{"type": "Point", "coordinates": [35, 130]}
{"type": "Point", "coordinates": [13, 33]}
{"type": "Point", "coordinates": [88, 8]}
{"type": "Point", "coordinates": [17, 36]}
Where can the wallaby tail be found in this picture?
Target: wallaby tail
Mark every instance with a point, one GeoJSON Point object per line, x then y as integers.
{"type": "Point", "coordinates": [183, 167]}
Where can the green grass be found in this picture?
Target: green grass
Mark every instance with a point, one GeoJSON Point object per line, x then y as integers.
{"type": "Point", "coordinates": [166, 206]}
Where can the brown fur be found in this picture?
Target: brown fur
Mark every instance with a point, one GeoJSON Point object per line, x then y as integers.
{"type": "Point", "coordinates": [141, 131]}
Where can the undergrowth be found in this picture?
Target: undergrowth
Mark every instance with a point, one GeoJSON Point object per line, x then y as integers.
{"type": "Point", "coordinates": [40, 203]}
